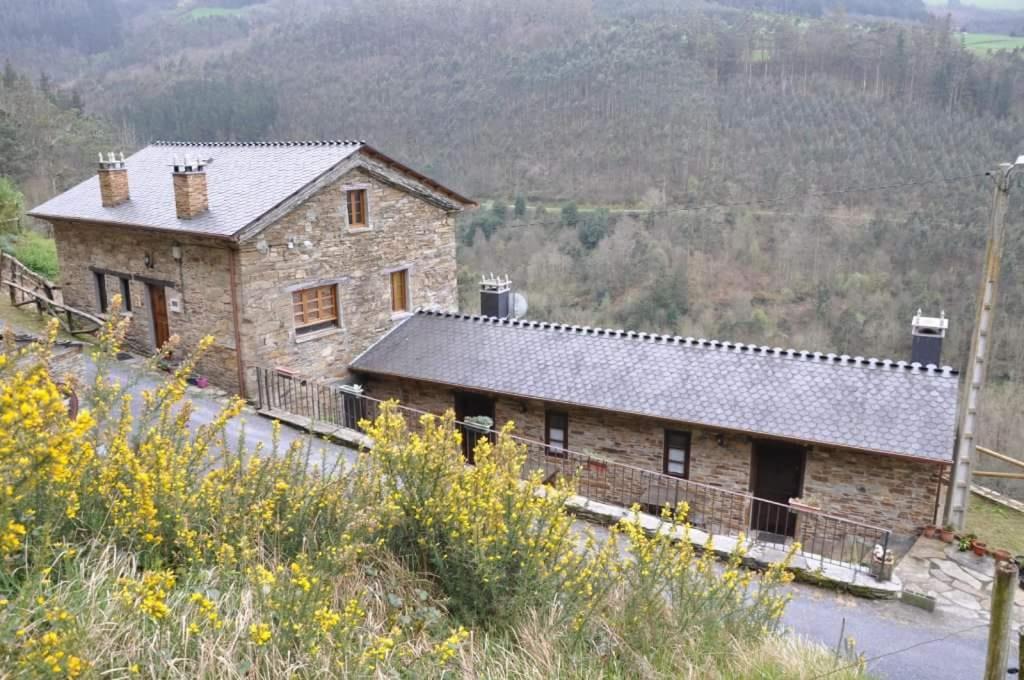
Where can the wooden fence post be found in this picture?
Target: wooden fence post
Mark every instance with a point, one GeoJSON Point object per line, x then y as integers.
{"type": "Point", "coordinates": [998, 656]}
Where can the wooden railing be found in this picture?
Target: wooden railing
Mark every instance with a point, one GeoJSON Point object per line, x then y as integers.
{"type": "Point", "coordinates": [1004, 458]}
{"type": "Point", "coordinates": [25, 287]}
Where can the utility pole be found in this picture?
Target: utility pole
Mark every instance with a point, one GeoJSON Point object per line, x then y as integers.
{"type": "Point", "coordinates": [959, 491]}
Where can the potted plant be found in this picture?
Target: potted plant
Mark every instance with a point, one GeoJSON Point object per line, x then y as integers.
{"type": "Point", "coordinates": [929, 531]}
{"type": "Point", "coordinates": [963, 543]}
{"type": "Point", "coordinates": [947, 534]}
{"type": "Point", "coordinates": [980, 548]}
{"type": "Point", "coordinates": [1001, 555]}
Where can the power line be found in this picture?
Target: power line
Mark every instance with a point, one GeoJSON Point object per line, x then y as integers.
{"type": "Point", "coordinates": [899, 651]}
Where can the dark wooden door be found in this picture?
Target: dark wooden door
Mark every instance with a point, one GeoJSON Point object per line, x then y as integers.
{"type": "Point", "coordinates": [778, 475]}
{"type": "Point", "coordinates": [468, 405]}
{"type": "Point", "coordinates": [158, 305]}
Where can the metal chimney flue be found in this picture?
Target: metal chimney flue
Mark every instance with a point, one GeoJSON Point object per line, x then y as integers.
{"type": "Point", "coordinates": [495, 296]}
{"type": "Point", "coordinates": [927, 334]}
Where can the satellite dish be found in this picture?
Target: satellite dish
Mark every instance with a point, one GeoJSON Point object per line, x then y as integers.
{"type": "Point", "coordinates": [519, 305]}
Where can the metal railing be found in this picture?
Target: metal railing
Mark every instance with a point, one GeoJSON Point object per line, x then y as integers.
{"type": "Point", "coordinates": [824, 539]}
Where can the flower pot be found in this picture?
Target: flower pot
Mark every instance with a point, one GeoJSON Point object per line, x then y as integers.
{"type": "Point", "coordinates": [1001, 555]}
{"type": "Point", "coordinates": [979, 548]}
{"type": "Point", "coordinates": [947, 535]}
{"type": "Point", "coordinates": [930, 531]}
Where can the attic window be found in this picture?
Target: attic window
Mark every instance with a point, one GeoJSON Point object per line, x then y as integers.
{"type": "Point", "coordinates": [356, 199]}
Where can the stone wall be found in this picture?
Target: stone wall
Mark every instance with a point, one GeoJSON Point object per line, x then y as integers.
{"type": "Point", "coordinates": [883, 491]}
{"type": "Point", "coordinates": [405, 232]}
{"type": "Point", "coordinates": [200, 282]}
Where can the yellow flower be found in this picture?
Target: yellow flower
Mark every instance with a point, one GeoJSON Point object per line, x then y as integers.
{"type": "Point", "coordinates": [259, 633]}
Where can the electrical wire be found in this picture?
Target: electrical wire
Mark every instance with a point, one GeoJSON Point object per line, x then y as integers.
{"type": "Point", "coordinates": [898, 651]}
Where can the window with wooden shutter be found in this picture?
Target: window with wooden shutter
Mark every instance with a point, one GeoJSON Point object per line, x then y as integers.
{"type": "Point", "coordinates": [400, 291]}
{"type": "Point", "coordinates": [315, 309]}
{"type": "Point", "coordinates": [356, 208]}
{"type": "Point", "coordinates": [677, 454]}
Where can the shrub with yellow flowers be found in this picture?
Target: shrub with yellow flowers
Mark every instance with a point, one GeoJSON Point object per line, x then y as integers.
{"type": "Point", "coordinates": [135, 543]}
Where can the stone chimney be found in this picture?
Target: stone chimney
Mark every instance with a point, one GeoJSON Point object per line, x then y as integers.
{"type": "Point", "coordinates": [927, 334]}
{"type": "Point", "coordinates": [190, 197]}
{"type": "Point", "coordinates": [113, 176]}
{"type": "Point", "coordinates": [495, 296]}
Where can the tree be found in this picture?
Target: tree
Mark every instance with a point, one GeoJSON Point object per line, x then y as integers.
{"type": "Point", "coordinates": [10, 77]}
{"type": "Point", "coordinates": [520, 207]}
{"type": "Point", "coordinates": [570, 214]}
{"type": "Point", "coordinates": [12, 204]}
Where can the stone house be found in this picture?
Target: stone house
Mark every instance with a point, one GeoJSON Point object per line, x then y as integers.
{"type": "Point", "coordinates": [859, 438]}
{"type": "Point", "coordinates": [295, 255]}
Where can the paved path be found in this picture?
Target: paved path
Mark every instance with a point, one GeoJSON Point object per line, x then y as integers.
{"type": "Point", "coordinates": [208, 403]}
{"type": "Point", "coordinates": [960, 582]}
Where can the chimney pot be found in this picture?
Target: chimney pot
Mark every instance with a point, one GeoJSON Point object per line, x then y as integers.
{"type": "Point", "coordinates": [495, 296]}
{"type": "Point", "coordinates": [190, 190]}
{"type": "Point", "coordinates": [927, 334]}
{"type": "Point", "coordinates": [113, 177]}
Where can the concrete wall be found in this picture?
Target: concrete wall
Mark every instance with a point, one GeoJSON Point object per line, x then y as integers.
{"type": "Point", "coordinates": [200, 281]}
{"type": "Point", "coordinates": [880, 490]}
{"type": "Point", "coordinates": [405, 232]}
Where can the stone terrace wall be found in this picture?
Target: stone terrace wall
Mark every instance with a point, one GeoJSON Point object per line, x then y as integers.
{"type": "Point", "coordinates": [405, 232]}
{"type": "Point", "coordinates": [883, 491]}
{"type": "Point", "coordinates": [201, 281]}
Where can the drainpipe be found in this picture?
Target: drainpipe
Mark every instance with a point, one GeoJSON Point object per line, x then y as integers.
{"type": "Point", "coordinates": [235, 307]}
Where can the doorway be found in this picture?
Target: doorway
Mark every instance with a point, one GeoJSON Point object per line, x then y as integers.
{"type": "Point", "coordinates": [158, 308]}
{"type": "Point", "coordinates": [470, 405]}
{"type": "Point", "coordinates": [777, 475]}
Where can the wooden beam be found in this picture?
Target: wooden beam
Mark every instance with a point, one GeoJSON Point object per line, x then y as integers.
{"type": "Point", "coordinates": [1001, 475]}
{"type": "Point", "coordinates": [1000, 456]}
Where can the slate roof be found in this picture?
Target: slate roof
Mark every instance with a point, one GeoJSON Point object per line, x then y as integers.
{"type": "Point", "coordinates": [878, 406]}
{"type": "Point", "coordinates": [245, 180]}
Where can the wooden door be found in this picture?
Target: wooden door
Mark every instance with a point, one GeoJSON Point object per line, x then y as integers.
{"type": "Point", "coordinates": [158, 307]}
{"type": "Point", "coordinates": [468, 405]}
{"type": "Point", "coordinates": [778, 475]}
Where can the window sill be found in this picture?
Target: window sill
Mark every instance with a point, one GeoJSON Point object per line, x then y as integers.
{"type": "Point", "coordinates": [359, 230]}
{"type": "Point", "coordinates": [316, 335]}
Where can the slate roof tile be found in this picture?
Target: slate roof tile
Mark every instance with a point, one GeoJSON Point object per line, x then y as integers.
{"type": "Point", "coordinates": [245, 180]}
{"type": "Point", "coordinates": [884, 408]}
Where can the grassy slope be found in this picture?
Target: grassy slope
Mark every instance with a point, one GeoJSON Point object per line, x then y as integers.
{"type": "Point", "coordinates": [998, 526]}
{"type": "Point", "coordinates": [984, 42]}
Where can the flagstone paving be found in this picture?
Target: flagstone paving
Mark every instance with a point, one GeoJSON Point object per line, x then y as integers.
{"type": "Point", "coordinates": [960, 582]}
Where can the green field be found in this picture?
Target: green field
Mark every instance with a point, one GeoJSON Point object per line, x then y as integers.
{"type": "Point", "coordinates": [985, 42]}
{"type": "Point", "coordinates": [983, 4]}
{"type": "Point", "coordinates": [199, 13]}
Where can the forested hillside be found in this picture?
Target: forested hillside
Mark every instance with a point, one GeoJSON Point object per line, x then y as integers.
{"type": "Point", "coordinates": [731, 149]}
